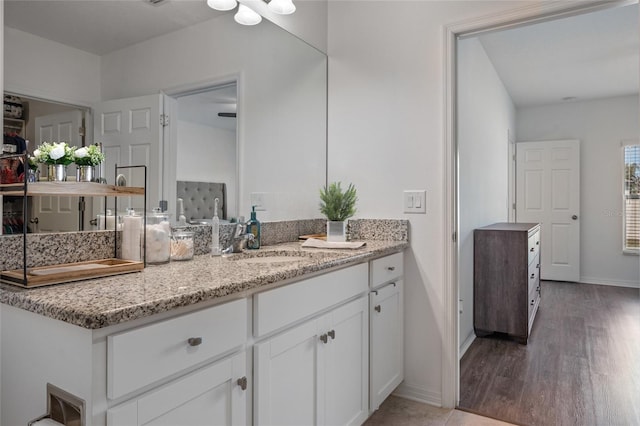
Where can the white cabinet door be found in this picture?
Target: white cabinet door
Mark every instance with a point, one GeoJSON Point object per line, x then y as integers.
{"type": "Point", "coordinates": [386, 349]}
{"type": "Point", "coordinates": [286, 377]}
{"type": "Point", "coordinates": [210, 395]}
{"type": "Point", "coordinates": [347, 364]}
{"type": "Point", "coordinates": [315, 373]}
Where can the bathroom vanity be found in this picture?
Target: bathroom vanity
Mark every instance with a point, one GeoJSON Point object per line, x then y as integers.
{"type": "Point", "coordinates": [278, 335]}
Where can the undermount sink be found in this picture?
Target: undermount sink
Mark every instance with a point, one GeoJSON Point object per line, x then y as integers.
{"type": "Point", "coordinates": [276, 257]}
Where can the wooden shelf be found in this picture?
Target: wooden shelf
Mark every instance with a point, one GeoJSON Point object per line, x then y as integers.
{"type": "Point", "coordinates": [71, 189]}
{"type": "Point", "coordinates": [56, 274]}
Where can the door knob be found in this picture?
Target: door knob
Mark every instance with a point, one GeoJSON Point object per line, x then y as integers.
{"type": "Point", "coordinates": [574, 217]}
{"type": "Point", "coordinates": [34, 220]}
{"type": "Point", "coordinates": [332, 334]}
{"type": "Point", "coordinates": [324, 338]}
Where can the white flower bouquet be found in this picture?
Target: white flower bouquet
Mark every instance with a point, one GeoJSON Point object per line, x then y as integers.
{"type": "Point", "coordinates": [88, 156]}
{"type": "Point", "coordinates": [54, 153]}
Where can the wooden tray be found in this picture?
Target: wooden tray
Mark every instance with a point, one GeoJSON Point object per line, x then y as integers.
{"type": "Point", "coordinates": [56, 274]}
{"type": "Point", "coordinates": [322, 236]}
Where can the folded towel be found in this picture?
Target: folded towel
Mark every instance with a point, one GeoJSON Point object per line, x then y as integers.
{"type": "Point", "coordinates": [312, 242]}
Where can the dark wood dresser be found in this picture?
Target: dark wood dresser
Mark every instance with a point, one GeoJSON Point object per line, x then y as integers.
{"type": "Point", "coordinates": [506, 279]}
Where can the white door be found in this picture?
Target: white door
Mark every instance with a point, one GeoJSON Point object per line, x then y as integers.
{"type": "Point", "coordinates": [347, 365]}
{"type": "Point", "coordinates": [208, 396]}
{"type": "Point", "coordinates": [287, 378]}
{"type": "Point", "coordinates": [130, 131]}
{"type": "Point", "coordinates": [386, 353]}
{"type": "Point", "coordinates": [52, 213]}
{"type": "Point", "coordinates": [548, 192]}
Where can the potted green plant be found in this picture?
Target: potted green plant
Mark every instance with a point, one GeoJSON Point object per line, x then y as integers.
{"type": "Point", "coordinates": [87, 158]}
{"type": "Point", "coordinates": [57, 156]}
{"type": "Point", "coordinates": [338, 206]}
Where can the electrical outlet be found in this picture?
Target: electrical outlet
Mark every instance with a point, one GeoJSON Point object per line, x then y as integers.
{"type": "Point", "coordinates": [415, 201]}
{"type": "Point", "coordinates": [258, 199]}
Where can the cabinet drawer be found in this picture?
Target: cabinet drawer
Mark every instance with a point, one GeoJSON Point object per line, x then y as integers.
{"type": "Point", "coordinates": [386, 269]}
{"type": "Point", "coordinates": [533, 275]}
{"type": "Point", "coordinates": [282, 306]}
{"type": "Point", "coordinates": [139, 357]}
{"type": "Point", "coordinates": [534, 245]}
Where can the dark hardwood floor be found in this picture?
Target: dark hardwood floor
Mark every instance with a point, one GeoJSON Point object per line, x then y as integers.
{"type": "Point", "coordinates": [581, 366]}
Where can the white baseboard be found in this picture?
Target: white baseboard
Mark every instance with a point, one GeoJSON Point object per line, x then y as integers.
{"type": "Point", "coordinates": [417, 393]}
{"type": "Point", "coordinates": [606, 281]}
{"type": "Point", "coordinates": [465, 345]}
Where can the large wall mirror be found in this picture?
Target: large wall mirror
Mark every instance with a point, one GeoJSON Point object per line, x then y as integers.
{"type": "Point", "coordinates": [279, 82]}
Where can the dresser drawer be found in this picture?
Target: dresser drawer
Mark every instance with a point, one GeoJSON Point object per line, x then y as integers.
{"type": "Point", "coordinates": [534, 274]}
{"type": "Point", "coordinates": [280, 307]}
{"type": "Point", "coordinates": [386, 269]}
{"type": "Point", "coordinates": [139, 357]}
{"type": "Point", "coordinates": [533, 248]}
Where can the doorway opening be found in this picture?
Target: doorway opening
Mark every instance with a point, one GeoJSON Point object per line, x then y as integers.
{"type": "Point", "coordinates": [452, 349]}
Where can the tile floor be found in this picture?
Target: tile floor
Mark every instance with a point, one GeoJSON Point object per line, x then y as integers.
{"type": "Point", "coordinates": [396, 411]}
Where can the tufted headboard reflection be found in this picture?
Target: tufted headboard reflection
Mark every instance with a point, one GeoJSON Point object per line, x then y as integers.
{"type": "Point", "coordinates": [198, 199]}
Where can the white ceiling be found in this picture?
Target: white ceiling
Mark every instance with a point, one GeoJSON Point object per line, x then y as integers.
{"type": "Point", "coordinates": [102, 26]}
{"type": "Point", "coordinates": [588, 56]}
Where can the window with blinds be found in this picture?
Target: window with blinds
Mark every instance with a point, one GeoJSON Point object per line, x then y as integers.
{"type": "Point", "coordinates": [631, 213]}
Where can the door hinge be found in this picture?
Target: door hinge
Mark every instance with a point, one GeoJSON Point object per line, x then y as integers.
{"type": "Point", "coordinates": [164, 120]}
{"type": "Point", "coordinates": [513, 206]}
{"type": "Point", "coordinates": [454, 237]}
{"type": "Point", "coordinates": [82, 131]}
{"type": "Point", "coordinates": [81, 204]}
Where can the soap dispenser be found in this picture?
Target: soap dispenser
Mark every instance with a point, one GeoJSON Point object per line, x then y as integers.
{"type": "Point", "coordinates": [253, 227]}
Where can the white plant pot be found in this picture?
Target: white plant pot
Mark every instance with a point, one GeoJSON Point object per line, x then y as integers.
{"type": "Point", "coordinates": [336, 231]}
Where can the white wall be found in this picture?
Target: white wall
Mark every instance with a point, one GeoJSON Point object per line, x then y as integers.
{"type": "Point", "coordinates": [40, 68]}
{"type": "Point", "coordinates": [386, 115]}
{"type": "Point", "coordinates": [309, 22]}
{"type": "Point", "coordinates": [195, 162]}
{"type": "Point", "coordinates": [600, 126]}
{"type": "Point", "coordinates": [486, 116]}
{"type": "Point", "coordinates": [281, 101]}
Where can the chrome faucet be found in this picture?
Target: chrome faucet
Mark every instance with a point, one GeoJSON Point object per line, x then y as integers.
{"type": "Point", "coordinates": [239, 240]}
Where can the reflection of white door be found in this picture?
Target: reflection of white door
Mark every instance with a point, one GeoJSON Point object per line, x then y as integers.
{"type": "Point", "coordinates": [57, 214]}
{"type": "Point", "coordinates": [548, 192]}
{"type": "Point", "coordinates": [131, 134]}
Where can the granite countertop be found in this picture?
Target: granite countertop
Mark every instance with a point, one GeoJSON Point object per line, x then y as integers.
{"type": "Point", "coordinates": [103, 302]}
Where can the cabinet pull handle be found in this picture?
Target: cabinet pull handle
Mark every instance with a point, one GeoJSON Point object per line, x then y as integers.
{"type": "Point", "coordinates": [242, 382]}
{"type": "Point", "coordinates": [537, 243]}
{"type": "Point", "coordinates": [391, 268]}
{"type": "Point", "coordinates": [532, 249]}
{"type": "Point", "coordinates": [324, 338]}
{"type": "Point", "coordinates": [194, 341]}
{"type": "Point", "coordinates": [332, 334]}
{"type": "Point", "coordinates": [533, 302]}
{"type": "Point", "coordinates": [378, 308]}
{"type": "Point", "coordinates": [533, 276]}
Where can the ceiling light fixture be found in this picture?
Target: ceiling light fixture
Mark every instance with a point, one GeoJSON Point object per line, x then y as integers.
{"type": "Point", "coordinates": [247, 16]}
{"type": "Point", "coordinates": [222, 5]}
{"type": "Point", "coordinates": [282, 7]}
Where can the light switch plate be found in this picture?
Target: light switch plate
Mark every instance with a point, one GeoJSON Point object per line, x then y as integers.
{"type": "Point", "coordinates": [415, 201]}
{"type": "Point", "coordinates": [258, 199]}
